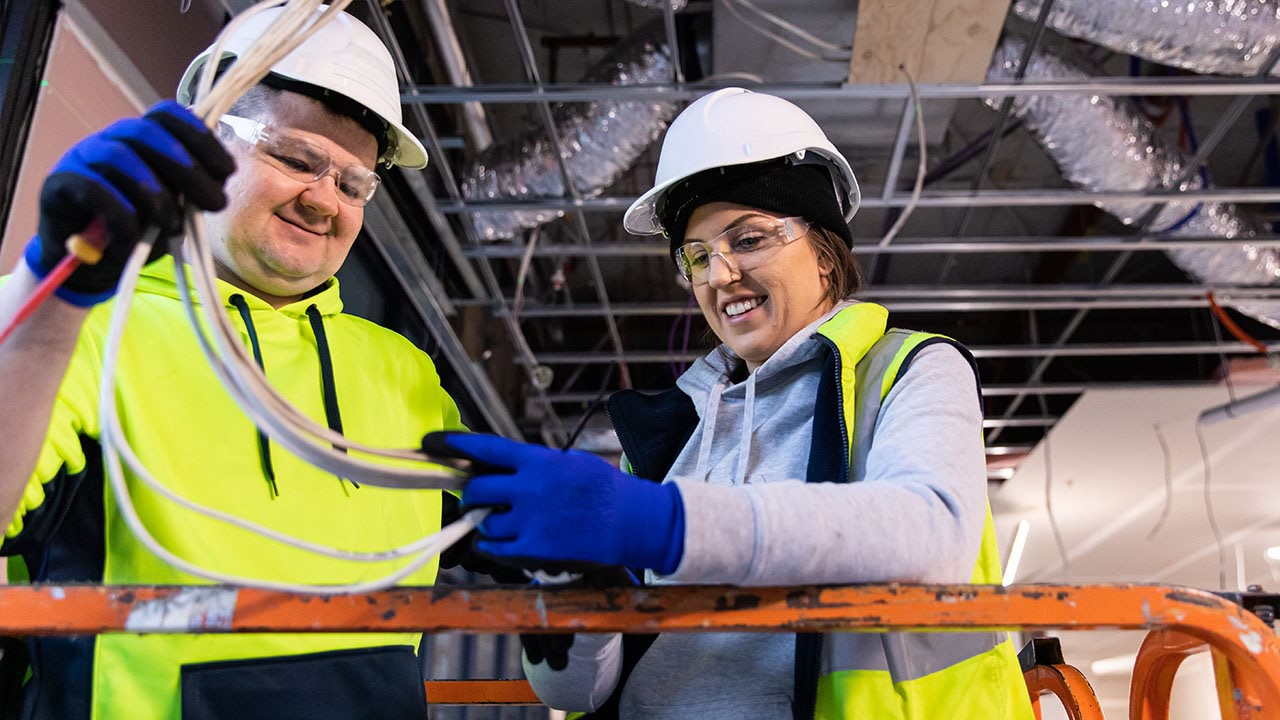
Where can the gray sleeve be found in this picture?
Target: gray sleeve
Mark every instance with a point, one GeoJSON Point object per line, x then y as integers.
{"type": "Point", "coordinates": [595, 663]}
{"type": "Point", "coordinates": [917, 516]}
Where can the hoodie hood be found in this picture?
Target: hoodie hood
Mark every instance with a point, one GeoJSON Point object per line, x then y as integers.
{"type": "Point", "coordinates": [262, 325]}
{"type": "Point", "coordinates": [779, 393]}
{"type": "Point", "coordinates": [158, 279]}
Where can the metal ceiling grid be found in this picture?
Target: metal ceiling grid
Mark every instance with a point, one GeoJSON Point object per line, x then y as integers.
{"type": "Point", "coordinates": [488, 291]}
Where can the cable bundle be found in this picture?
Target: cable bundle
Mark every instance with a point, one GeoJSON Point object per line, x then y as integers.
{"type": "Point", "coordinates": [242, 377]}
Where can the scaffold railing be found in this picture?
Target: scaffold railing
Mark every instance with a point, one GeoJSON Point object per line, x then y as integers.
{"type": "Point", "coordinates": [1182, 620]}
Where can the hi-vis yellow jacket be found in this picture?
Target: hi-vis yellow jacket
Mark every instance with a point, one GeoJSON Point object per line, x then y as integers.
{"type": "Point", "coordinates": [846, 675]}
{"type": "Point", "coordinates": [370, 383]}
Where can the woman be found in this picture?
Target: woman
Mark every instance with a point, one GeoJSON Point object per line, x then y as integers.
{"type": "Point", "coordinates": [812, 446]}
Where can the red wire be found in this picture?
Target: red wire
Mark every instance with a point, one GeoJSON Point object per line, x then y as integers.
{"type": "Point", "coordinates": [1233, 328]}
{"type": "Point", "coordinates": [42, 292]}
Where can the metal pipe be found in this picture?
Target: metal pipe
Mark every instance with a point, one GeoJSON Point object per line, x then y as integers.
{"type": "Point", "coordinates": [900, 306]}
{"type": "Point", "coordinates": [917, 246]}
{"type": "Point", "coordinates": [1229, 411]}
{"type": "Point", "coordinates": [931, 199]}
{"type": "Point", "coordinates": [449, 48]}
{"type": "Point", "coordinates": [899, 150]}
{"type": "Point", "coordinates": [1020, 292]}
{"type": "Point", "coordinates": [641, 357]}
{"type": "Point", "coordinates": [990, 390]}
{"type": "Point", "coordinates": [1019, 422]}
{"type": "Point", "coordinates": [1103, 86]}
{"type": "Point", "coordinates": [445, 232]}
{"type": "Point", "coordinates": [593, 265]}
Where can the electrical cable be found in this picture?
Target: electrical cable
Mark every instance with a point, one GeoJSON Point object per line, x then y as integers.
{"type": "Point", "coordinates": [111, 437]}
{"type": "Point", "coordinates": [794, 29]}
{"type": "Point", "coordinates": [1053, 519]}
{"type": "Point", "coordinates": [242, 377]}
{"type": "Point", "coordinates": [1208, 507]}
{"type": "Point", "coordinates": [921, 167]}
{"type": "Point", "coordinates": [1168, 483]}
{"type": "Point", "coordinates": [526, 260]}
{"type": "Point", "coordinates": [48, 286]}
{"type": "Point", "coordinates": [1232, 327]}
{"type": "Point", "coordinates": [812, 54]}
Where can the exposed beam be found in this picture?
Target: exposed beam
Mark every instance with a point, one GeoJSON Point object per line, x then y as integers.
{"type": "Point", "coordinates": [640, 357]}
{"type": "Point", "coordinates": [933, 199]}
{"type": "Point", "coordinates": [583, 92]}
{"type": "Point", "coordinates": [908, 246]}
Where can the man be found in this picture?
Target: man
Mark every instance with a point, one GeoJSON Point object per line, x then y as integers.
{"type": "Point", "coordinates": [303, 146]}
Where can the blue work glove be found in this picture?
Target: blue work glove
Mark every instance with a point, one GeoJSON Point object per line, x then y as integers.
{"type": "Point", "coordinates": [565, 507]}
{"type": "Point", "coordinates": [127, 177]}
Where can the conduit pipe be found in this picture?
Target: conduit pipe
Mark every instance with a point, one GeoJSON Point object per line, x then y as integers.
{"type": "Point", "coordinates": [448, 47]}
{"type": "Point", "coordinates": [601, 140]}
{"type": "Point", "coordinates": [1220, 37]}
{"type": "Point", "coordinates": [1103, 144]}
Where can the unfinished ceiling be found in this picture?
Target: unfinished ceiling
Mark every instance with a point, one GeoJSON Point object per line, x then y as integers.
{"type": "Point", "coordinates": [1056, 250]}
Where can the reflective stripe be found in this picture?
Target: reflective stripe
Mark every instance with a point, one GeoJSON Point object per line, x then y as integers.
{"type": "Point", "coordinates": [905, 656]}
{"type": "Point", "coordinates": [870, 375]}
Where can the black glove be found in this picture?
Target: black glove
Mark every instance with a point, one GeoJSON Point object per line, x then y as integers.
{"type": "Point", "coordinates": [551, 647]}
{"type": "Point", "coordinates": [554, 647]}
{"type": "Point", "coordinates": [128, 177]}
{"type": "Point", "coordinates": [463, 552]}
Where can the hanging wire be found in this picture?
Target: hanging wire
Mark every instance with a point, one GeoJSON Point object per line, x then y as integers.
{"type": "Point", "coordinates": [1168, 482]}
{"type": "Point", "coordinates": [1208, 507]}
{"type": "Point", "coordinates": [1053, 519]}
{"type": "Point", "coordinates": [921, 166]}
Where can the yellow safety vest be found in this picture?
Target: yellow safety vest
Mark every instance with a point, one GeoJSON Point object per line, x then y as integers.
{"type": "Point", "coordinates": [894, 675]}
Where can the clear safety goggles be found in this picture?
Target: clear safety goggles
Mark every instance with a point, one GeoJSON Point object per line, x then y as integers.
{"type": "Point", "coordinates": [303, 160]}
{"type": "Point", "coordinates": [749, 244]}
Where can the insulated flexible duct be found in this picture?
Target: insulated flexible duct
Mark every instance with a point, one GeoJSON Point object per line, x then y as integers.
{"type": "Point", "coordinates": [676, 5]}
{"type": "Point", "coordinates": [1102, 143]}
{"type": "Point", "coordinates": [1230, 37]}
{"type": "Point", "coordinates": [600, 139]}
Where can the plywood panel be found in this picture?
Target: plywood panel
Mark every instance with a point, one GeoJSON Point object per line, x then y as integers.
{"type": "Point", "coordinates": [939, 41]}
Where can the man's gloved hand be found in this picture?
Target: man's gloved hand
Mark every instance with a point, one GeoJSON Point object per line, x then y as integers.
{"type": "Point", "coordinates": [128, 177]}
{"type": "Point", "coordinates": [567, 506]}
{"type": "Point", "coordinates": [463, 552]}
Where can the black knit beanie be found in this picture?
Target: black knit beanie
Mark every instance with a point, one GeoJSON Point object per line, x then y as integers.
{"type": "Point", "coordinates": [775, 186]}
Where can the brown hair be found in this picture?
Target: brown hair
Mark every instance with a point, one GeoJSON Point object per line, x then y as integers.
{"type": "Point", "coordinates": [845, 279]}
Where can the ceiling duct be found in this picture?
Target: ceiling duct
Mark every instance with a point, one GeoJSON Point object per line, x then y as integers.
{"type": "Point", "coordinates": [1102, 143]}
{"type": "Point", "coordinates": [676, 5]}
{"type": "Point", "coordinates": [601, 140]}
{"type": "Point", "coordinates": [1228, 37]}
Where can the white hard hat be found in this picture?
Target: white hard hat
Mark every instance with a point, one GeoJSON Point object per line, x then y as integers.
{"type": "Point", "coordinates": [733, 126]}
{"type": "Point", "coordinates": [344, 57]}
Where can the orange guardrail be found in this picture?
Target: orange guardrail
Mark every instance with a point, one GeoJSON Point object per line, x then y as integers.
{"type": "Point", "coordinates": [1246, 649]}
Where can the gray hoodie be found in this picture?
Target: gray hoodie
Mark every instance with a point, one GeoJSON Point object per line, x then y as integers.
{"type": "Point", "coordinates": [750, 519]}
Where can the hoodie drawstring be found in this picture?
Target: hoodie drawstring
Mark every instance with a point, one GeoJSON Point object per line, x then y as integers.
{"type": "Point", "coordinates": [704, 448]}
{"type": "Point", "coordinates": [329, 390]}
{"type": "Point", "coordinates": [748, 419]}
{"type": "Point", "coordinates": [264, 446]}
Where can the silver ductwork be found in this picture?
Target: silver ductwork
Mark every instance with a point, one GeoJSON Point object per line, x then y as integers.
{"type": "Point", "coordinates": [1102, 143]}
{"type": "Point", "coordinates": [601, 140]}
{"type": "Point", "coordinates": [1228, 37]}
{"type": "Point", "coordinates": [676, 5]}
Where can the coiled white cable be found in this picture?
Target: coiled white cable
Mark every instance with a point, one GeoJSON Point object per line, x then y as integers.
{"type": "Point", "coordinates": [242, 377]}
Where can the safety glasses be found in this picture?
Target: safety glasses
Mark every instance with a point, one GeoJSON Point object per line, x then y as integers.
{"type": "Point", "coordinates": [303, 160]}
{"type": "Point", "coordinates": [749, 244]}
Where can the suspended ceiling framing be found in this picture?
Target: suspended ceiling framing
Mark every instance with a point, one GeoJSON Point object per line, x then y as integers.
{"type": "Point", "coordinates": [967, 260]}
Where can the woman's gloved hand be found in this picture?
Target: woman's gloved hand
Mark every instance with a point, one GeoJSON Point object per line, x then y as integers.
{"type": "Point", "coordinates": [565, 506]}
{"type": "Point", "coordinates": [127, 177]}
